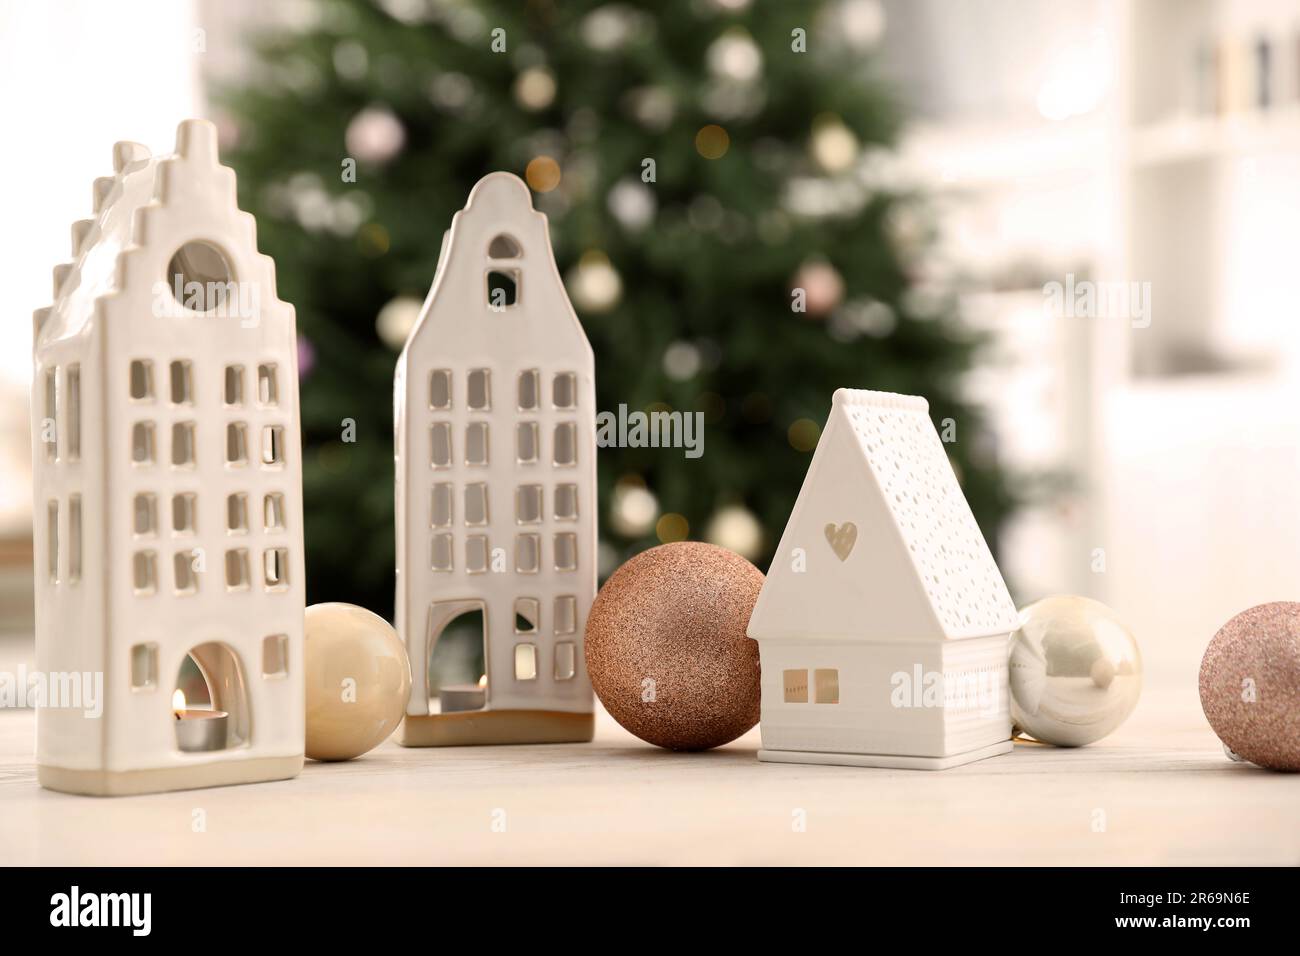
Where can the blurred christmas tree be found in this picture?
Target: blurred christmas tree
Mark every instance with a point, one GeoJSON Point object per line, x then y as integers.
{"type": "Point", "coordinates": [716, 176]}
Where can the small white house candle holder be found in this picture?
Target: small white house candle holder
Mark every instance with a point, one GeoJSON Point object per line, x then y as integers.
{"type": "Point", "coordinates": [168, 489]}
{"type": "Point", "coordinates": [883, 624]}
{"type": "Point", "coordinates": [496, 467]}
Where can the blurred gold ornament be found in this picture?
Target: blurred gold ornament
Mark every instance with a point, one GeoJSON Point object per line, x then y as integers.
{"type": "Point", "coordinates": [672, 527]}
{"type": "Point", "coordinates": [372, 240]}
{"type": "Point", "coordinates": [542, 173]}
{"type": "Point", "coordinates": [804, 434]}
{"type": "Point", "coordinates": [736, 529]}
{"type": "Point", "coordinates": [1075, 671]}
{"type": "Point", "coordinates": [535, 88]}
{"type": "Point", "coordinates": [712, 142]}
{"type": "Point", "coordinates": [396, 319]}
{"type": "Point", "coordinates": [734, 56]}
{"type": "Point", "coordinates": [834, 146]}
{"type": "Point", "coordinates": [634, 508]}
{"type": "Point", "coordinates": [594, 283]}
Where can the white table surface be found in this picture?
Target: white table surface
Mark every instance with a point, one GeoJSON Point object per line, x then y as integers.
{"type": "Point", "coordinates": [1158, 791]}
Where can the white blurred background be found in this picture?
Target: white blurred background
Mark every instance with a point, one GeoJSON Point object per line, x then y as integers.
{"type": "Point", "coordinates": [1154, 142]}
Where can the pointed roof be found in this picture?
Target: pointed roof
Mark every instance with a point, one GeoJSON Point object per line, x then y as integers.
{"type": "Point", "coordinates": [498, 230]}
{"type": "Point", "coordinates": [129, 208]}
{"type": "Point", "coordinates": [890, 550]}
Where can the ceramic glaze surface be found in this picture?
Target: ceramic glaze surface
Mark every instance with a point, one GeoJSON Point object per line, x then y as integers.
{"type": "Point", "coordinates": [168, 482]}
{"type": "Point", "coordinates": [496, 466]}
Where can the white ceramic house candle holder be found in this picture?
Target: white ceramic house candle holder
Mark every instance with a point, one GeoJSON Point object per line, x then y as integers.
{"type": "Point", "coordinates": [496, 472]}
{"type": "Point", "coordinates": [884, 622]}
{"type": "Point", "coordinates": [168, 489]}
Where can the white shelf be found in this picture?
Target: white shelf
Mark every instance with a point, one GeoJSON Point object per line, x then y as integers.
{"type": "Point", "coordinates": [1187, 139]}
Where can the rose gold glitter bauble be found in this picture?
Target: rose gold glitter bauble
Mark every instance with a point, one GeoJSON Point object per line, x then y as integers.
{"type": "Point", "coordinates": [1250, 685]}
{"type": "Point", "coordinates": [666, 647]}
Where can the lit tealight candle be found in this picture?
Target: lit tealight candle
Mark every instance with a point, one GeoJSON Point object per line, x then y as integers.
{"type": "Point", "coordinates": [460, 697]}
{"type": "Point", "coordinates": [198, 730]}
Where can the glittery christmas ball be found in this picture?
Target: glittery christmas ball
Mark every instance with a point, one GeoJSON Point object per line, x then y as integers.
{"type": "Point", "coordinates": [1250, 685]}
{"type": "Point", "coordinates": [666, 647]}
{"type": "Point", "coordinates": [1075, 671]}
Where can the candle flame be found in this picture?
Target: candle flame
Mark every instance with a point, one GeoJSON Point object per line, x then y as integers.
{"type": "Point", "coordinates": [482, 681]}
{"type": "Point", "coordinates": [178, 703]}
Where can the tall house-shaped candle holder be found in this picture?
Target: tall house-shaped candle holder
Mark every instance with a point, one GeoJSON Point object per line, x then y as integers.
{"type": "Point", "coordinates": [496, 469]}
{"type": "Point", "coordinates": [168, 490]}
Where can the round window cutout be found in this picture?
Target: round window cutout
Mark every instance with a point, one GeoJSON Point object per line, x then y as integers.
{"type": "Point", "coordinates": [200, 277]}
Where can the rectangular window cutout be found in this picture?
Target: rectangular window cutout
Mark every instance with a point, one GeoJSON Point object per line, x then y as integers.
{"type": "Point", "coordinates": [183, 444]}
{"type": "Point", "coordinates": [528, 388]}
{"type": "Point", "coordinates": [51, 413]}
{"type": "Point", "coordinates": [144, 572]}
{"type": "Point", "coordinates": [182, 383]}
{"type": "Point", "coordinates": [528, 548]}
{"type": "Point", "coordinates": [237, 513]}
{"type": "Point", "coordinates": [564, 390]}
{"type": "Point", "coordinates": [502, 289]}
{"type": "Point", "coordinates": [52, 539]}
{"type": "Point", "coordinates": [566, 502]}
{"type": "Point", "coordinates": [796, 686]}
{"type": "Point", "coordinates": [144, 514]}
{"type": "Point", "coordinates": [527, 615]}
{"type": "Point", "coordinates": [144, 666]}
{"type": "Point", "coordinates": [236, 443]}
{"type": "Point", "coordinates": [142, 443]}
{"type": "Point", "coordinates": [566, 444]}
{"type": "Point", "coordinates": [187, 581]}
{"type": "Point", "coordinates": [141, 380]}
{"type": "Point", "coordinates": [237, 576]}
{"type": "Point", "coordinates": [476, 504]}
{"type": "Point", "coordinates": [183, 513]}
{"type": "Point", "coordinates": [441, 559]}
{"type": "Point", "coordinates": [273, 445]}
{"type": "Point", "coordinates": [268, 386]}
{"type": "Point", "coordinates": [275, 656]}
{"type": "Point", "coordinates": [275, 568]}
{"type": "Point", "coordinates": [443, 511]}
{"type": "Point", "coordinates": [566, 614]}
{"type": "Point", "coordinates": [441, 434]}
{"type": "Point", "coordinates": [566, 551]}
{"type": "Point", "coordinates": [480, 389]}
{"type": "Point", "coordinates": [72, 416]}
{"type": "Point", "coordinates": [526, 443]}
{"type": "Point", "coordinates": [440, 389]}
{"type": "Point", "coordinates": [234, 386]}
{"type": "Point", "coordinates": [566, 660]}
{"type": "Point", "coordinates": [476, 443]}
{"type": "Point", "coordinates": [476, 553]}
{"type": "Point", "coordinates": [827, 683]}
{"type": "Point", "coordinates": [273, 518]}
{"type": "Point", "coordinates": [525, 662]}
{"type": "Point", "coordinates": [74, 538]}
{"type": "Point", "coordinates": [528, 504]}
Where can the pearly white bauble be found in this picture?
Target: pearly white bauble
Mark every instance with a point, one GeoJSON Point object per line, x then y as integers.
{"type": "Point", "coordinates": [1075, 671]}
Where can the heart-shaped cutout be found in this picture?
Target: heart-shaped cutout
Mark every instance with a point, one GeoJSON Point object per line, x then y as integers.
{"type": "Point", "coordinates": [842, 539]}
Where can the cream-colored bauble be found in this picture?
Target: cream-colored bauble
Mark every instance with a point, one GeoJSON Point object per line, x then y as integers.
{"type": "Point", "coordinates": [358, 680]}
{"type": "Point", "coordinates": [1075, 671]}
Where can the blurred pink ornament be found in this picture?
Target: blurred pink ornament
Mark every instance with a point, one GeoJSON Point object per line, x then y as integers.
{"type": "Point", "coordinates": [823, 288]}
{"type": "Point", "coordinates": [375, 135]}
{"type": "Point", "coordinates": [306, 357]}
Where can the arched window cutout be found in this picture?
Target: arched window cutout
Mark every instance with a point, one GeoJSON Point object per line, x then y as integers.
{"type": "Point", "coordinates": [456, 656]}
{"type": "Point", "coordinates": [504, 247]}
